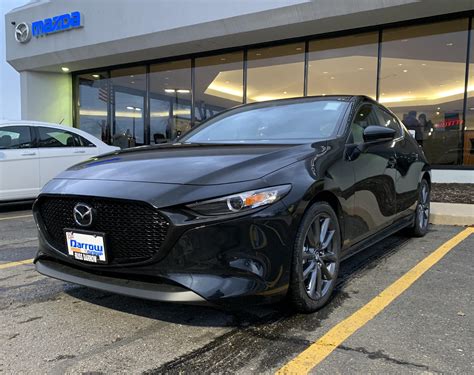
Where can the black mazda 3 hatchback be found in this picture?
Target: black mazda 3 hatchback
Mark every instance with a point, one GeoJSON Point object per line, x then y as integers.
{"type": "Point", "coordinates": [259, 203]}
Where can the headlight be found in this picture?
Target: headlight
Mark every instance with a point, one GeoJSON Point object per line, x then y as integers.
{"type": "Point", "coordinates": [240, 202]}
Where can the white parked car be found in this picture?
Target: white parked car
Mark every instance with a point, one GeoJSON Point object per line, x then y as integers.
{"type": "Point", "coordinates": [32, 153]}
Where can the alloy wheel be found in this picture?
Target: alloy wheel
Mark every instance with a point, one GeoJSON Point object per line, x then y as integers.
{"type": "Point", "coordinates": [319, 258]}
{"type": "Point", "coordinates": [424, 206]}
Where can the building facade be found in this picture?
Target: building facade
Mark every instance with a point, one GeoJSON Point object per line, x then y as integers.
{"type": "Point", "coordinates": [150, 70]}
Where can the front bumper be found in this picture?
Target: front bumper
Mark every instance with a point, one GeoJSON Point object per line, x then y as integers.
{"type": "Point", "coordinates": [245, 259]}
{"type": "Point", "coordinates": [132, 288]}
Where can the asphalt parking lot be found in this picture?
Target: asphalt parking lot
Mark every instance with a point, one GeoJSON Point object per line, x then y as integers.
{"type": "Point", "coordinates": [48, 326]}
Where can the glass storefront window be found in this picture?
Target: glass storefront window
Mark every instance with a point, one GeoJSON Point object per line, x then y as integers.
{"type": "Point", "coordinates": [422, 80]}
{"type": "Point", "coordinates": [170, 100]}
{"type": "Point", "coordinates": [275, 72]}
{"type": "Point", "coordinates": [218, 84]}
{"type": "Point", "coordinates": [128, 104]}
{"type": "Point", "coordinates": [93, 96]}
{"type": "Point", "coordinates": [468, 157]}
{"type": "Point", "coordinates": [422, 76]}
{"type": "Point", "coordinates": [344, 65]}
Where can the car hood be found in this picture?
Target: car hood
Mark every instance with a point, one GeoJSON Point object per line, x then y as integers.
{"type": "Point", "coordinates": [190, 164]}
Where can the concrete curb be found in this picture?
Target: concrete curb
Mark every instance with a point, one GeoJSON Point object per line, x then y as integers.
{"type": "Point", "coordinates": [452, 214]}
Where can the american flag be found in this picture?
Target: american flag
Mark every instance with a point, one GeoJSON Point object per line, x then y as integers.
{"type": "Point", "coordinates": [104, 94]}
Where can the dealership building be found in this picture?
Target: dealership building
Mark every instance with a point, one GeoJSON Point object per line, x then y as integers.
{"type": "Point", "coordinates": [149, 70]}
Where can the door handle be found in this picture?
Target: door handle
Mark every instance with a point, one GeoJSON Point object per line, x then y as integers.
{"type": "Point", "coordinates": [79, 152]}
{"type": "Point", "coordinates": [29, 154]}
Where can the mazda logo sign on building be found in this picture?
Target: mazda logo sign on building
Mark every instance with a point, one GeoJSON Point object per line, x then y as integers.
{"type": "Point", "coordinates": [47, 26]}
{"type": "Point", "coordinates": [22, 32]}
{"type": "Point", "coordinates": [83, 215]}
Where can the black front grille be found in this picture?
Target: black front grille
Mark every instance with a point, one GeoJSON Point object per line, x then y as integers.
{"type": "Point", "coordinates": [134, 231]}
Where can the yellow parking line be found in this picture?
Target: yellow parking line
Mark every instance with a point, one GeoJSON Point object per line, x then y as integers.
{"type": "Point", "coordinates": [17, 263]}
{"type": "Point", "coordinates": [15, 217]}
{"type": "Point", "coordinates": [318, 351]}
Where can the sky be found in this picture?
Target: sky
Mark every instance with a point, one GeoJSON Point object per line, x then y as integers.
{"type": "Point", "coordinates": [10, 107]}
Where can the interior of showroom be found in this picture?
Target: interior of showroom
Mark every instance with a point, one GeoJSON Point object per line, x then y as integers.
{"type": "Point", "coordinates": [418, 71]}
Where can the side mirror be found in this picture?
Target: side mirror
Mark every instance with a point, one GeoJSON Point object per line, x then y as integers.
{"type": "Point", "coordinates": [378, 133]}
{"type": "Point", "coordinates": [177, 136]}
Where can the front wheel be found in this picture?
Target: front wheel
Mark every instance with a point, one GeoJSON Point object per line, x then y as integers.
{"type": "Point", "coordinates": [316, 259]}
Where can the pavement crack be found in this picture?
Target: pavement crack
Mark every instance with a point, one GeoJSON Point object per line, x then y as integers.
{"type": "Point", "coordinates": [7, 278]}
{"type": "Point", "coordinates": [379, 354]}
{"type": "Point", "coordinates": [30, 319]}
{"type": "Point", "coordinates": [65, 365]}
{"type": "Point", "coordinates": [18, 242]}
{"type": "Point", "coordinates": [25, 285]}
{"type": "Point", "coordinates": [61, 357]}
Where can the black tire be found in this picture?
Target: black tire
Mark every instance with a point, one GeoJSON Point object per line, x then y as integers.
{"type": "Point", "coordinates": [422, 213]}
{"type": "Point", "coordinates": [315, 257]}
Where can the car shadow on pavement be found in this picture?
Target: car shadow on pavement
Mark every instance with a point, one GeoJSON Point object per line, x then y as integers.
{"type": "Point", "coordinates": [238, 316]}
{"type": "Point", "coordinates": [185, 314]}
{"type": "Point", "coordinates": [14, 207]}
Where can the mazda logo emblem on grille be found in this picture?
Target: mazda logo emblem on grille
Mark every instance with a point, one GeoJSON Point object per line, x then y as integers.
{"type": "Point", "coordinates": [83, 214]}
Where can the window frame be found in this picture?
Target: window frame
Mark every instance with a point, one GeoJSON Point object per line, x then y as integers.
{"type": "Point", "coordinates": [33, 143]}
{"type": "Point", "coordinates": [351, 120]}
{"type": "Point", "coordinates": [74, 135]}
{"type": "Point", "coordinates": [379, 108]}
{"type": "Point", "coordinates": [397, 121]}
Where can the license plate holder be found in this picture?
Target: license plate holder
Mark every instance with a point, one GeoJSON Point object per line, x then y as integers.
{"type": "Point", "coordinates": [86, 246]}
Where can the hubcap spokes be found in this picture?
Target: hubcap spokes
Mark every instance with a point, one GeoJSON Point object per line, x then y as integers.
{"type": "Point", "coordinates": [424, 207]}
{"type": "Point", "coordinates": [319, 259]}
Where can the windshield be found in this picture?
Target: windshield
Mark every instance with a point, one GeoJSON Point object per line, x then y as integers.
{"type": "Point", "coordinates": [278, 122]}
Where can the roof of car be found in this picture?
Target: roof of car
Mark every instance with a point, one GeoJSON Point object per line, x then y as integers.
{"type": "Point", "coordinates": [309, 97]}
{"type": "Point", "coordinates": [82, 133]}
{"type": "Point", "coordinates": [31, 123]}
{"type": "Point", "coordinates": [342, 96]}
{"type": "Point", "coordinates": [347, 98]}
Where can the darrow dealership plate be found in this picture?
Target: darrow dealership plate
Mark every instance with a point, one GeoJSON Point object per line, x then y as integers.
{"type": "Point", "coordinates": [87, 247]}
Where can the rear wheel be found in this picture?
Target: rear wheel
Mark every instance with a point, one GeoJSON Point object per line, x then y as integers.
{"type": "Point", "coordinates": [316, 259]}
{"type": "Point", "coordinates": [422, 213]}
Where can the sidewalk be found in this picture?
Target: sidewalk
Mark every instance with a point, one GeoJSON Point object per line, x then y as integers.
{"type": "Point", "coordinates": [452, 213]}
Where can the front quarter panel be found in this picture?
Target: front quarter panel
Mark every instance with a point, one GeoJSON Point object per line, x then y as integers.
{"type": "Point", "coordinates": [325, 175]}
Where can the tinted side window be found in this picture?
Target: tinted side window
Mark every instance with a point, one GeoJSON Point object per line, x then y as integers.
{"type": "Point", "coordinates": [364, 117]}
{"type": "Point", "coordinates": [389, 121]}
{"type": "Point", "coordinates": [15, 137]}
{"type": "Point", "coordinates": [82, 142]}
{"type": "Point", "coordinates": [51, 137]}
